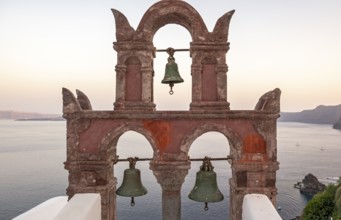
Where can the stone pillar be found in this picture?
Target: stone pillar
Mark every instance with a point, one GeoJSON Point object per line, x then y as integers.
{"type": "Point", "coordinates": [147, 77]}
{"type": "Point", "coordinates": [199, 52]}
{"type": "Point", "coordinates": [196, 83]}
{"type": "Point", "coordinates": [120, 86]}
{"type": "Point", "coordinates": [171, 176]}
{"type": "Point", "coordinates": [221, 82]}
{"type": "Point", "coordinates": [251, 177]}
{"type": "Point", "coordinates": [94, 177]}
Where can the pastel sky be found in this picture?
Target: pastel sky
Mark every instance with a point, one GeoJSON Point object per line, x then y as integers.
{"type": "Point", "coordinates": [288, 44]}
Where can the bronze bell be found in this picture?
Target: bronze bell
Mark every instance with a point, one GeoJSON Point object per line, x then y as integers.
{"type": "Point", "coordinates": [131, 184]}
{"type": "Point", "coordinates": [206, 189]}
{"type": "Point", "coordinates": [172, 75]}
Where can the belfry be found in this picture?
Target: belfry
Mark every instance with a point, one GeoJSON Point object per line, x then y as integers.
{"type": "Point", "coordinates": [92, 136]}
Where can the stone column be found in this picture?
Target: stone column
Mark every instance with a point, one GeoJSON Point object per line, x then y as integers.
{"type": "Point", "coordinates": [196, 68]}
{"type": "Point", "coordinates": [171, 176]}
{"type": "Point", "coordinates": [147, 79]}
{"type": "Point", "coordinates": [94, 177]}
{"type": "Point", "coordinates": [120, 86]}
{"type": "Point", "coordinates": [222, 82]}
{"type": "Point", "coordinates": [196, 83]}
{"type": "Point", "coordinates": [251, 177]}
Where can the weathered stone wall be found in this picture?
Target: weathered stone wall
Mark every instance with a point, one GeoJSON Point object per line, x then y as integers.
{"type": "Point", "coordinates": [91, 149]}
{"type": "Point", "coordinates": [92, 136]}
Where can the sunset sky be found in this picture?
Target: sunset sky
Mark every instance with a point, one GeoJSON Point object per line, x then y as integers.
{"type": "Point", "coordinates": [49, 44]}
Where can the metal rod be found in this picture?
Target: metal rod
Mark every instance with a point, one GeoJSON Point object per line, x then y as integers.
{"type": "Point", "coordinates": [166, 50]}
{"type": "Point", "coordinates": [138, 159]}
{"type": "Point", "coordinates": [191, 159]}
{"type": "Point", "coordinates": [219, 158]}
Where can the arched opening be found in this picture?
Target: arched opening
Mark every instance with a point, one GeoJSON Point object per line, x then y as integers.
{"type": "Point", "coordinates": [214, 145]}
{"type": "Point", "coordinates": [177, 37]}
{"type": "Point", "coordinates": [133, 144]}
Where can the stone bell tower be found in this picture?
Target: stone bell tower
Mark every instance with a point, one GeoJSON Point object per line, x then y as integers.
{"type": "Point", "coordinates": [92, 136]}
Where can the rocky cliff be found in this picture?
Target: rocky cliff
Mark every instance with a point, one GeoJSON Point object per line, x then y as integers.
{"type": "Point", "coordinates": [320, 115]}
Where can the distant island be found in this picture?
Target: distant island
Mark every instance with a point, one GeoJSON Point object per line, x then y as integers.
{"type": "Point", "coordinates": [29, 116]}
{"type": "Point", "coordinates": [41, 119]}
{"type": "Point", "coordinates": [322, 114]}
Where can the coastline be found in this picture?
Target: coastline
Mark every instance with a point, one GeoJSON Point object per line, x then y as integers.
{"type": "Point", "coordinates": [40, 119]}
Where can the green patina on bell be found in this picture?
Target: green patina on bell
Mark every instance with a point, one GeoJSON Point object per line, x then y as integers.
{"type": "Point", "coordinates": [172, 75]}
{"type": "Point", "coordinates": [206, 189]}
{"type": "Point", "coordinates": [131, 184]}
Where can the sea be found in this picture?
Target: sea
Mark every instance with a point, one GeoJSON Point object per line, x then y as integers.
{"type": "Point", "coordinates": [32, 154]}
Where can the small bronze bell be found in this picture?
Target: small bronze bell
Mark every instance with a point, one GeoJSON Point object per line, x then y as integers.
{"type": "Point", "coordinates": [172, 75]}
{"type": "Point", "coordinates": [131, 184]}
{"type": "Point", "coordinates": [206, 189]}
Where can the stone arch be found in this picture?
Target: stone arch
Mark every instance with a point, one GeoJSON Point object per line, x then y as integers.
{"type": "Point", "coordinates": [109, 142]}
{"type": "Point", "coordinates": [221, 168]}
{"type": "Point", "coordinates": [132, 60]}
{"type": "Point", "coordinates": [209, 59]}
{"type": "Point", "coordinates": [232, 137]}
{"type": "Point", "coordinates": [211, 144]}
{"type": "Point", "coordinates": [172, 12]}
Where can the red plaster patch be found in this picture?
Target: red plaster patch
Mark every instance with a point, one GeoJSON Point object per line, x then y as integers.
{"type": "Point", "coordinates": [161, 132]}
{"type": "Point", "coordinates": [254, 143]}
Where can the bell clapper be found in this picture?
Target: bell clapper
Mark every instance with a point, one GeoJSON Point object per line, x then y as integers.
{"type": "Point", "coordinates": [171, 84]}
{"type": "Point", "coordinates": [206, 206]}
{"type": "Point", "coordinates": [132, 202]}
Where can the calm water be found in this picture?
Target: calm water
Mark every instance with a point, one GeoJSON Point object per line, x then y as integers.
{"type": "Point", "coordinates": [32, 155]}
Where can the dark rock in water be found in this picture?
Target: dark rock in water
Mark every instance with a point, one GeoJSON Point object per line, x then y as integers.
{"type": "Point", "coordinates": [311, 185]}
{"type": "Point", "coordinates": [337, 125]}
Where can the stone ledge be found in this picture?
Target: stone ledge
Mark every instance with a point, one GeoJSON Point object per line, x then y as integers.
{"type": "Point", "coordinates": [235, 114]}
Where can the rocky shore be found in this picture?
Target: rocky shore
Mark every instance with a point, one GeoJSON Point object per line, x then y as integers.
{"type": "Point", "coordinates": [310, 185]}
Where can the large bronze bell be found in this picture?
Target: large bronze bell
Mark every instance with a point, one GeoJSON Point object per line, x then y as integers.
{"type": "Point", "coordinates": [206, 188]}
{"type": "Point", "coordinates": [131, 184]}
{"type": "Point", "coordinates": [172, 75]}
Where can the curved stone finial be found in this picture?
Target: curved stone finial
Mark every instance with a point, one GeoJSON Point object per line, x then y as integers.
{"type": "Point", "coordinates": [83, 100]}
{"type": "Point", "coordinates": [70, 103]}
{"type": "Point", "coordinates": [221, 28]}
{"type": "Point", "coordinates": [124, 31]}
{"type": "Point", "coordinates": [270, 101]}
